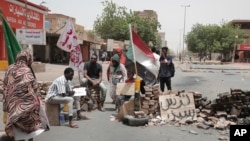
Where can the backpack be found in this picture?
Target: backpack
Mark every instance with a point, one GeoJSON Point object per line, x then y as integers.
{"type": "Point", "coordinates": [172, 69]}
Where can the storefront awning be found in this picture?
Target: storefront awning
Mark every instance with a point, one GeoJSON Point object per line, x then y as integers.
{"type": "Point", "coordinates": [243, 47]}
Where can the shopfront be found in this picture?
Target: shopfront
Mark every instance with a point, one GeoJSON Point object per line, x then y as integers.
{"type": "Point", "coordinates": [19, 14]}
{"type": "Point", "coordinates": [244, 52]}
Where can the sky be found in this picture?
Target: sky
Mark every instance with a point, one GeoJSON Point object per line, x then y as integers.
{"type": "Point", "coordinates": [170, 13]}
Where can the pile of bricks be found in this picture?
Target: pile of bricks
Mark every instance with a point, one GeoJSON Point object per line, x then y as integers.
{"type": "Point", "coordinates": [229, 108]}
{"type": "Point", "coordinates": [94, 95]}
{"type": "Point", "coordinates": [91, 101]}
{"type": "Point", "coordinates": [150, 100]}
{"type": "Point", "coordinates": [233, 103]}
{"type": "Point", "coordinates": [43, 88]}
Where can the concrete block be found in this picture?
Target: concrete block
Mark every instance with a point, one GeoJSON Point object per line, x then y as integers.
{"type": "Point", "coordinates": [38, 67]}
{"type": "Point", "coordinates": [53, 112]}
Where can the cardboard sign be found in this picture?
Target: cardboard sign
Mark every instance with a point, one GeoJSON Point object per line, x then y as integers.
{"type": "Point", "coordinates": [177, 107]}
{"type": "Point", "coordinates": [80, 91]}
{"type": "Point", "coordinates": [125, 89]}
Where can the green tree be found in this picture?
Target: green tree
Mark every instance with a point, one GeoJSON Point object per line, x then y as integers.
{"type": "Point", "coordinates": [227, 37]}
{"type": "Point", "coordinates": [196, 39]}
{"type": "Point", "coordinates": [114, 21]}
{"type": "Point", "coordinates": [205, 39]}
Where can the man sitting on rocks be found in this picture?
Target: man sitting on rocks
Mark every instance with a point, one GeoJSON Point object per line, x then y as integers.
{"type": "Point", "coordinates": [92, 73]}
{"type": "Point", "coordinates": [60, 92]}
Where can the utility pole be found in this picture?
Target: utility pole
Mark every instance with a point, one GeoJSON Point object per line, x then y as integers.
{"type": "Point", "coordinates": [180, 50]}
{"type": "Point", "coordinates": [234, 49]}
{"type": "Point", "coordinates": [185, 6]}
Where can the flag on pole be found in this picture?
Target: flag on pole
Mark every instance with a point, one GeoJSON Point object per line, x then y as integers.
{"type": "Point", "coordinates": [139, 52]}
{"type": "Point", "coordinates": [68, 42]}
{"type": "Point", "coordinates": [11, 43]}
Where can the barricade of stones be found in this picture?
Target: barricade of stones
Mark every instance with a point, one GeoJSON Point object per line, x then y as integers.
{"type": "Point", "coordinates": [90, 102]}
{"type": "Point", "coordinates": [150, 100]}
{"type": "Point", "coordinates": [229, 108]}
{"type": "Point", "coordinates": [43, 88]}
{"type": "Point", "coordinates": [234, 104]}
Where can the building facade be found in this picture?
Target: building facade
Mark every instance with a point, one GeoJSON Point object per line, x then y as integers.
{"type": "Point", "coordinates": [54, 26]}
{"type": "Point", "coordinates": [151, 14]}
{"type": "Point", "coordinates": [19, 14]}
{"type": "Point", "coordinates": [50, 53]}
{"type": "Point", "coordinates": [243, 50]}
{"type": "Point", "coordinates": [162, 36]}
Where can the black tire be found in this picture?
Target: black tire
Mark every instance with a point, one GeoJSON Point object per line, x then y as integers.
{"type": "Point", "coordinates": [131, 121]}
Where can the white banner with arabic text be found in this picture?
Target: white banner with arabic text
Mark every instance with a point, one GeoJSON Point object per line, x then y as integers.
{"type": "Point", "coordinates": [68, 42]}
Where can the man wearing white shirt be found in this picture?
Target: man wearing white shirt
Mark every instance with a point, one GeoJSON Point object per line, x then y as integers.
{"type": "Point", "coordinates": [60, 92]}
{"type": "Point", "coordinates": [157, 57]}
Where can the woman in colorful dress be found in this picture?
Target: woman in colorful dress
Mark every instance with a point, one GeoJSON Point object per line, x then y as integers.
{"type": "Point", "coordinates": [25, 116]}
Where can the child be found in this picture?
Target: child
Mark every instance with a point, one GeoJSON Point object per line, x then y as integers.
{"type": "Point", "coordinates": [122, 98]}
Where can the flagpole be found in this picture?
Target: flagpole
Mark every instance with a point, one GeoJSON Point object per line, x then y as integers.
{"type": "Point", "coordinates": [137, 102]}
{"type": "Point", "coordinates": [131, 38]}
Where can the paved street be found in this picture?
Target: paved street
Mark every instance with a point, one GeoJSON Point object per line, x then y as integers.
{"type": "Point", "coordinates": [209, 81]}
{"type": "Point", "coordinates": [212, 79]}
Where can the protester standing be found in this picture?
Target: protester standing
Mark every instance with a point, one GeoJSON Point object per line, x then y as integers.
{"type": "Point", "coordinates": [25, 115]}
{"type": "Point", "coordinates": [116, 74]}
{"type": "Point", "coordinates": [166, 70]}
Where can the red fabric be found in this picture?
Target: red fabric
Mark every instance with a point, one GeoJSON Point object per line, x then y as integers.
{"type": "Point", "coordinates": [139, 43]}
{"type": "Point", "coordinates": [122, 59]}
{"type": "Point", "coordinates": [130, 80]}
{"type": "Point", "coordinates": [117, 50]}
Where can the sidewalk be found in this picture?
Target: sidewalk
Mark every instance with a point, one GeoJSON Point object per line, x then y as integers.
{"type": "Point", "coordinates": [55, 70]}
{"type": "Point", "coordinates": [211, 65]}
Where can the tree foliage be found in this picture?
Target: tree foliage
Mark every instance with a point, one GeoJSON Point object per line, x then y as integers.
{"type": "Point", "coordinates": [114, 21]}
{"type": "Point", "coordinates": [204, 39]}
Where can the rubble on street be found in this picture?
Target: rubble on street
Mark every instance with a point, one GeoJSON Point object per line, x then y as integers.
{"type": "Point", "coordinates": [229, 108]}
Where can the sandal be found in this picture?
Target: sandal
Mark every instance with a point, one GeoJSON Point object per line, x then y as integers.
{"type": "Point", "coordinates": [73, 125]}
{"type": "Point", "coordinates": [83, 118]}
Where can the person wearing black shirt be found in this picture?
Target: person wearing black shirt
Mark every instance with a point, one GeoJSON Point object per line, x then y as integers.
{"type": "Point", "coordinates": [92, 73]}
{"type": "Point", "coordinates": [166, 70]}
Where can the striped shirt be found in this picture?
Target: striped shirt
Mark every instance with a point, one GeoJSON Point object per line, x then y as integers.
{"type": "Point", "coordinates": [57, 87]}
